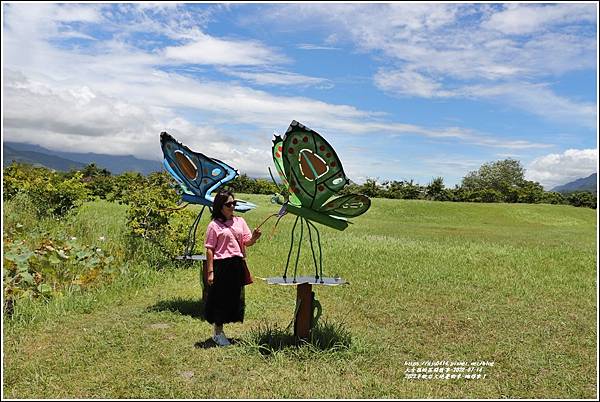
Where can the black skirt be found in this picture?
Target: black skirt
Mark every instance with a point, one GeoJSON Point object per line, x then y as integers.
{"type": "Point", "coordinates": [225, 300]}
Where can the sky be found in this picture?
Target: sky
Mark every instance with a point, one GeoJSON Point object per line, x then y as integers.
{"type": "Point", "coordinates": [402, 91]}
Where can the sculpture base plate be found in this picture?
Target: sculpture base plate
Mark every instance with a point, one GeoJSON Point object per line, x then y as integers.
{"type": "Point", "coordinates": [278, 280]}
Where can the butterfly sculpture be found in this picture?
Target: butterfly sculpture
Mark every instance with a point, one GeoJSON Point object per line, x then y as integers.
{"type": "Point", "coordinates": [311, 174]}
{"type": "Point", "coordinates": [198, 177]}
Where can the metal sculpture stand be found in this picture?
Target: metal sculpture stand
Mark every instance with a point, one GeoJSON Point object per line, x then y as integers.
{"type": "Point", "coordinates": [190, 244]}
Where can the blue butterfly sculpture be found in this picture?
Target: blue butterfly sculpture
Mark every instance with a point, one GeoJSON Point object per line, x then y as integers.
{"type": "Point", "coordinates": [198, 176]}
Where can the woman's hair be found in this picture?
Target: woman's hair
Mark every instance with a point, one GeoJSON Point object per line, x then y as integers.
{"type": "Point", "coordinates": [220, 199]}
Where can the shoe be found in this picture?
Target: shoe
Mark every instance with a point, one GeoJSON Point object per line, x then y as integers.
{"type": "Point", "coordinates": [221, 340]}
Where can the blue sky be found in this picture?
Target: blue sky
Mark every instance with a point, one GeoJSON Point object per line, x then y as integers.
{"type": "Point", "coordinates": [401, 91]}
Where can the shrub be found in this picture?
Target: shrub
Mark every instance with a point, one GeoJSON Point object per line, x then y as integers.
{"type": "Point", "coordinates": [152, 215]}
{"type": "Point", "coordinates": [487, 195]}
{"type": "Point", "coordinates": [50, 268]}
{"type": "Point", "coordinates": [53, 195]}
{"type": "Point", "coordinates": [582, 199]}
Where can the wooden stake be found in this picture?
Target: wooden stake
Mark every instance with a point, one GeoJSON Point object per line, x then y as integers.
{"type": "Point", "coordinates": [303, 320]}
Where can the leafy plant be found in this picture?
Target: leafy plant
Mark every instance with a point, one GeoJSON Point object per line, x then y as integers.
{"type": "Point", "coordinates": [53, 193]}
{"type": "Point", "coordinates": [50, 268]}
{"type": "Point", "coordinates": [151, 215]}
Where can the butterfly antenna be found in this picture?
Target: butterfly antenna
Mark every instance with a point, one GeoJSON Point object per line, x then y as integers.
{"type": "Point", "coordinates": [263, 222]}
{"type": "Point", "coordinates": [280, 188]}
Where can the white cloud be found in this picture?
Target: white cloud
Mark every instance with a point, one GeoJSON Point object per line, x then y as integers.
{"type": "Point", "coordinates": [409, 83]}
{"type": "Point", "coordinates": [279, 78]}
{"type": "Point", "coordinates": [172, 20]}
{"type": "Point", "coordinates": [76, 13]}
{"type": "Point", "coordinates": [518, 19]}
{"type": "Point", "coordinates": [309, 46]}
{"type": "Point", "coordinates": [206, 49]}
{"type": "Point", "coordinates": [556, 169]}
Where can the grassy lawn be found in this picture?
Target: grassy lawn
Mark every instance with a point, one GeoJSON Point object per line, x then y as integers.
{"type": "Point", "coordinates": [509, 284]}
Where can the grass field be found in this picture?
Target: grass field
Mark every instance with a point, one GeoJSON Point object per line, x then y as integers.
{"type": "Point", "coordinates": [508, 284]}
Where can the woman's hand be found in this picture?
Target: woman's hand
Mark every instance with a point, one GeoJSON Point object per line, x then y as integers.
{"type": "Point", "coordinates": [255, 235]}
{"type": "Point", "coordinates": [211, 278]}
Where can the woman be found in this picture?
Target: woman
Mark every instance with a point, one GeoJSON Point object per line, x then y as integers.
{"type": "Point", "coordinates": [227, 236]}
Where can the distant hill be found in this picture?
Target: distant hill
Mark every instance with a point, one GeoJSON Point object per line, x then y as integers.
{"type": "Point", "coordinates": [39, 159]}
{"type": "Point", "coordinates": [64, 161]}
{"type": "Point", "coordinates": [585, 184]}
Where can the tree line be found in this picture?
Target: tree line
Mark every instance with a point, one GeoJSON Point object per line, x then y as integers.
{"type": "Point", "coordinates": [498, 181]}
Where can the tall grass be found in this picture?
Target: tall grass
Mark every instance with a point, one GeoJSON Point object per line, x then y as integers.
{"type": "Point", "coordinates": [511, 284]}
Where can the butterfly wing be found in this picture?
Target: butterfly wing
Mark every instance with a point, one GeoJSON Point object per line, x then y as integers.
{"type": "Point", "coordinates": [177, 179]}
{"type": "Point", "coordinates": [310, 164]}
{"type": "Point", "coordinates": [348, 206]}
{"type": "Point", "coordinates": [244, 206]}
{"type": "Point", "coordinates": [278, 161]}
{"type": "Point", "coordinates": [195, 172]}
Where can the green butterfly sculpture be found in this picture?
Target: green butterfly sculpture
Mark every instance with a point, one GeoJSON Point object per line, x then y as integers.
{"type": "Point", "coordinates": [312, 174]}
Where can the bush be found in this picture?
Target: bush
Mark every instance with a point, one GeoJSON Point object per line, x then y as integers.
{"type": "Point", "coordinates": [245, 184]}
{"type": "Point", "coordinates": [553, 198]}
{"type": "Point", "coordinates": [50, 268]}
{"type": "Point", "coordinates": [52, 193]}
{"type": "Point", "coordinates": [487, 195]}
{"type": "Point", "coordinates": [152, 215]}
{"type": "Point", "coordinates": [124, 184]}
{"type": "Point", "coordinates": [16, 176]}
{"type": "Point", "coordinates": [582, 199]}
{"type": "Point", "coordinates": [435, 190]}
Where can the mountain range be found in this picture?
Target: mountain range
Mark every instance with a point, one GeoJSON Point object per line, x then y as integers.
{"type": "Point", "coordinates": [65, 161]}
{"type": "Point", "coordinates": [585, 184]}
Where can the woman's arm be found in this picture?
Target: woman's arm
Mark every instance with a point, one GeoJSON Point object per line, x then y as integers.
{"type": "Point", "coordinates": [255, 236]}
{"type": "Point", "coordinates": [209, 266]}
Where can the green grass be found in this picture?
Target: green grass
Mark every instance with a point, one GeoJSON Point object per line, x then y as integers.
{"type": "Point", "coordinates": [506, 283]}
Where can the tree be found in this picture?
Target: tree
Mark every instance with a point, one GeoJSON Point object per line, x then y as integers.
{"type": "Point", "coordinates": [370, 188]}
{"type": "Point", "coordinates": [499, 176]}
{"type": "Point", "coordinates": [506, 177]}
{"type": "Point", "coordinates": [530, 192]}
{"type": "Point", "coordinates": [582, 199]}
{"type": "Point", "coordinates": [435, 190]}
{"type": "Point", "coordinates": [92, 170]}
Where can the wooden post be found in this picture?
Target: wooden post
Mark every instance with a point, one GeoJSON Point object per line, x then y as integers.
{"type": "Point", "coordinates": [303, 320]}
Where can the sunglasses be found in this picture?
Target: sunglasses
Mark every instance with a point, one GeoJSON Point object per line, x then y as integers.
{"type": "Point", "coordinates": [230, 204]}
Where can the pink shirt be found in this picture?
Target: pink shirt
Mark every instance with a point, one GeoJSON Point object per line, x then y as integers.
{"type": "Point", "coordinates": [220, 237]}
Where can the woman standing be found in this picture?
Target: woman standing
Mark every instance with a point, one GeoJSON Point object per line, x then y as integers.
{"type": "Point", "coordinates": [227, 236]}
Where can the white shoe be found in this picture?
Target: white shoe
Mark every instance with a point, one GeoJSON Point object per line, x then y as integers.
{"type": "Point", "coordinates": [221, 340]}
